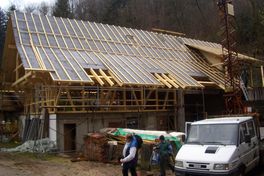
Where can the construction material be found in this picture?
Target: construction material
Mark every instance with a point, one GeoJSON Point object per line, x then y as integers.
{"type": "Point", "coordinates": [107, 146]}
{"type": "Point", "coordinates": [95, 147]}
{"type": "Point", "coordinates": [41, 146]}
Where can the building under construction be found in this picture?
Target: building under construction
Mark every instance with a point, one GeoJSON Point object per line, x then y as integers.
{"type": "Point", "coordinates": [78, 77]}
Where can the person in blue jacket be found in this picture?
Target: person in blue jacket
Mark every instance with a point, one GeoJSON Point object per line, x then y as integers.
{"type": "Point", "coordinates": [129, 161]}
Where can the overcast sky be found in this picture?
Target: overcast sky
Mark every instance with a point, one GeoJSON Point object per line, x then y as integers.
{"type": "Point", "coordinates": [22, 3]}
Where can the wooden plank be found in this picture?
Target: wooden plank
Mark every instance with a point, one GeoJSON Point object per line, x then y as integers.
{"type": "Point", "coordinates": [18, 29]}
{"type": "Point", "coordinates": [118, 60]}
{"type": "Point", "coordinates": [51, 28]}
{"type": "Point", "coordinates": [135, 96]}
{"type": "Point", "coordinates": [60, 64]}
{"type": "Point", "coordinates": [97, 35]}
{"type": "Point", "coordinates": [43, 27]}
{"type": "Point", "coordinates": [115, 77]}
{"type": "Point", "coordinates": [107, 41]}
{"type": "Point", "coordinates": [262, 75]}
{"type": "Point", "coordinates": [80, 65]}
{"type": "Point", "coordinates": [135, 74]}
{"type": "Point", "coordinates": [37, 33]}
{"type": "Point", "coordinates": [17, 67]}
{"type": "Point", "coordinates": [25, 53]}
{"type": "Point", "coordinates": [181, 84]}
{"type": "Point", "coordinates": [147, 48]}
{"type": "Point", "coordinates": [62, 20]}
{"type": "Point", "coordinates": [113, 41]}
{"type": "Point", "coordinates": [62, 36]}
{"type": "Point", "coordinates": [66, 58]}
{"type": "Point", "coordinates": [97, 77]}
{"type": "Point", "coordinates": [145, 75]}
{"type": "Point", "coordinates": [50, 63]}
{"type": "Point", "coordinates": [75, 33]}
{"type": "Point", "coordinates": [10, 46]}
{"type": "Point", "coordinates": [141, 44]}
{"type": "Point", "coordinates": [70, 99]}
{"type": "Point", "coordinates": [27, 75]}
{"type": "Point", "coordinates": [41, 64]}
{"type": "Point", "coordinates": [119, 30]}
{"type": "Point", "coordinates": [171, 81]}
{"type": "Point", "coordinates": [181, 81]}
{"type": "Point", "coordinates": [58, 96]}
{"type": "Point", "coordinates": [110, 82]}
{"type": "Point", "coordinates": [207, 82]}
{"type": "Point", "coordinates": [165, 100]}
{"type": "Point", "coordinates": [154, 47]}
{"type": "Point", "coordinates": [82, 34]}
{"type": "Point", "coordinates": [162, 80]}
{"type": "Point", "coordinates": [91, 37]}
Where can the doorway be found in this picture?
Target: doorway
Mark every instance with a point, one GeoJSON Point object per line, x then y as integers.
{"type": "Point", "coordinates": [69, 137]}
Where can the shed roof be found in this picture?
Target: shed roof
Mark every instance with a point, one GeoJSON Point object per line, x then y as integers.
{"type": "Point", "coordinates": [216, 49]}
{"type": "Point", "coordinates": [68, 49]}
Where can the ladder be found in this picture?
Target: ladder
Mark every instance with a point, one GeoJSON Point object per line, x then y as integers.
{"type": "Point", "coordinates": [244, 89]}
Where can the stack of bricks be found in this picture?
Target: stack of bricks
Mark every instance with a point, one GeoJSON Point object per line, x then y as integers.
{"type": "Point", "coordinates": [96, 145]}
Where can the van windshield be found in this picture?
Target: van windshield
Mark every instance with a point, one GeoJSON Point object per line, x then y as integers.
{"type": "Point", "coordinates": [213, 134]}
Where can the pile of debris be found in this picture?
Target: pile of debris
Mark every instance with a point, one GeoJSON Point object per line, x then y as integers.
{"type": "Point", "coordinates": [41, 146]}
{"type": "Point", "coordinates": [95, 145]}
{"type": "Point", "coordinates": [107, 145]}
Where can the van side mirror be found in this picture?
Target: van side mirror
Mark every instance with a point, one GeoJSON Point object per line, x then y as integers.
{"type": "Point", "coordinates": [183, 138]}
{"type": "Point", "coordinates": [247, 138]}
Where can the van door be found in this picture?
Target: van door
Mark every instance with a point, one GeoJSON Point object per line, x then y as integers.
{"type": "Point", "coordinates": [244, 148]}
{"type": "Point", "coordinates": [253, 145]}
{"type": "Point", "coordinates": [248, 151]}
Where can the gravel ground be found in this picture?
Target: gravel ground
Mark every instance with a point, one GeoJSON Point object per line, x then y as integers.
{"type": "Point", "coordinates": [21, 164]}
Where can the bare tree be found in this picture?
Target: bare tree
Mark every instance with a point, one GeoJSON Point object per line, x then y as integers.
{"type": "Point", "coordinates": [44, 8]}
{"type": "Point", "coordinates": [3, 24]}
{"type": "Point", "coordinates": [31, 8]}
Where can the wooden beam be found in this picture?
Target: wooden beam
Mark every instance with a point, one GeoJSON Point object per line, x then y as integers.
{"type": "Point", "coordinates": [162, 80]}
{"type": "Point", "coordinates": [70, 98]}
{"type": "Point", "coordinates": [168, 32]}
{"type": "Point", "coordinates": [106, 77]}
{"type": "Point", "coordinates": [169, 80]}
{"type": "Point", "coordinates": [206, 82]}
{"type": "Point", "coordinates": [17, 65]}
{"type": "Point", "coordinates": [262, 75]}
{"type": "Point", "coordinates": [22, 78]}
{"type": "Point", "coordinates": [135, 96]}
{"type": "Point", "coordinates": [97, 77]}
{"type": "Point", "coordinates": [11, 46]}
{"type": "Point", "coordinates": [183, 85]}
{"type": "Point", "coordinates": [166, 99]}
{"type": "Point", "coordinates": [113, 75]}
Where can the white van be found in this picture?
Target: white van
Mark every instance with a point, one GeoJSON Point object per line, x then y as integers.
{"type": "Point", "coordinates": [219, 146]}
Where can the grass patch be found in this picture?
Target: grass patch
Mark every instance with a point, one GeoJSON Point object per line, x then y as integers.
{"type": "Point", "coordinates": [9, 144]}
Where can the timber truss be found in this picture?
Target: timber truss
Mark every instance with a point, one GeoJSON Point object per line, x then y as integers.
{"type": "Point", "coordinates": [88, 99]}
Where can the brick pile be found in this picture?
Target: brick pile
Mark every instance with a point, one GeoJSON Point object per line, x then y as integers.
{"type": "Point", "coordinates": [96, 146]}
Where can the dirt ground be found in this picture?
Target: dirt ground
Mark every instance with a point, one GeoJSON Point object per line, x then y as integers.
{"type": "Point", "coordinates": [17, 164]}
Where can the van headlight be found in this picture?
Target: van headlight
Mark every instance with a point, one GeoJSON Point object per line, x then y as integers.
{"type": "Point", "coordinates": [221, 167]}
{"type": "Point", "coordinates": [178, 163]}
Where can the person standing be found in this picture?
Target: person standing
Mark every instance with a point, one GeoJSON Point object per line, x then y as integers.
{"type": "Point", "coordinates": [164, 154]}
{"type": "Point", "coordinates": [129, 162]}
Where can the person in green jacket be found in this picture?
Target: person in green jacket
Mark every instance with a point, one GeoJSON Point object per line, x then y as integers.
{"type": "Point", "coordinates": [164, 153]}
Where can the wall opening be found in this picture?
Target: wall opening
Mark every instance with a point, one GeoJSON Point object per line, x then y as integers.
{"type": "Point", "coordinates": [69, 137]}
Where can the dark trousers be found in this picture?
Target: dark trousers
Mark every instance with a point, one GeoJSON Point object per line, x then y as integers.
{"type": "Point", "coordinates": [164, 163]}
{"type": "Point", "coordinates": [128, 167]}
